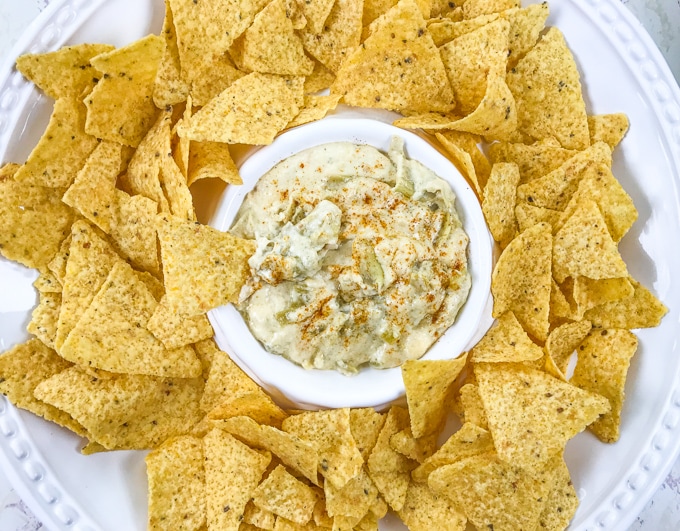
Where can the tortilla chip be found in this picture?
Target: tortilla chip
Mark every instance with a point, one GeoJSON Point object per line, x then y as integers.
{"type": "Point", "coordinates": [125, 411]}
{"type": "Point", "coordinates": [599, 184]}
{"type": "Point", "coordinates": [554, 190]}
{"type": "Point", "coordinates": [476, 8]}
{"type": "Point", "coordinates": [181, 147]}
{"type": "Point", "coordinates": [284, 495]}
{"type": "Point", "coordinates": [176, 190]}
{"type": "Point", "coordinates": [22, 369]}
{"type": "Point", "coordinates": [203, 267]}
{"type": "Point", "coordinates": [321, 78]}
{"type": "Point", "coordinates": [564, 340]}
{"type": "Point", "coordinates": [641, 310]}
{"type": "Point", "coordinates": [602, 366]}
{"type": "Point", "coordinates": [175, 331]}
{"type": "Point", "coordinates": [225, 20]}
{"type": "Point", "coordinates": [257, 405]}
{"type": "Point", "coordinates": [176, 484]}
{"type": "Point", "coordinates": [608, 128]}
{"type": "Point", "coordinates": [62, 150]}
{"type": "Point", "coordinates": [257, 517]}
{"type": "Point", "coordinates": [44, 318]}
{"type": "Point", "coordinates": [315, 108]}
{"type": "Point", "coordinates": [225, 381]}
{"type": "Point", "coordinates": [470, 58]}
{"type": "Point", "coordinates": [547, 89]}
{"type": "Point", "coordinates": [34, 222]}
{"type": "Point", "coordinates": [341, 32]}
{"type": "Point", "coordinates": [271, 46]}
{"type": "Point", "coordinates": [445, 30]}
{"type": "Point", "coordinates": [428, 392]}
{"type": "Point", "coordinates": [112, 334]}
{"type": "Point", "coordinates": [47, 283]}
{"type": "Point", "coordinates": [354, 499]}
{"type": "Point", "coordinates": [562, 502]}
{"type": "Point", "coordinates": [315, 13]}
{"type": "Point", "coordinates": [423, 510]}
{"type": "Point", "coordinates": [390, 470]}
{"type": "Point", "coordinates": [219, 75]}
{"type": "Point", "coordinates": [232, 472]}
{"type": "Point", "coordinates": [211, 160]}
{"type": "Point", "coordinates": [589, 293]}
{"type": "Point", "coordinates": [64, 73]}
{"type": "Point", "coordinates": [525, 28]}
{"type": "Point", "coordinates": [530, 437]}
{"type": "Point", "coordinates": [366, 424]}
{"type": "Point", "coordinates": [535, 160]}
{"type": "Point", "coordinates": [528, 215]}
{"type": "Point", "coordinates": [468, 158]}
{"type": "Point", "coordinates": [526, 294]}
{"type": "Point", "coordinates": [492, 494]}
{"type": "Point", "coordinates": [397, 67]}
{"type": "Point", "coordinates": [120, 107]}
{"type": "Point", "coordinates": [57, 266]}
{"type": "Point", "coordinates": [330, 432]}
{"type": "Point", "coordinates": [473, 408]}
{"type": "Point", "coordinates": [506, 342]}
{"type": "Point", "coordinates": [583, 247]}
{"type": "Point", "coordinates": [266, 100]}
{"type": "Point", "coordinates": [301, 456]}
{"type": "Point", "coordinates": [169, 87]}
{"type": "Point", "coordinates": [416, 449]}
{"type": "Point", "coordinates": [499, 202]}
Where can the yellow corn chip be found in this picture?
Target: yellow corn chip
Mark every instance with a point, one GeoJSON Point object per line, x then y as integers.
{"type": "Point", "coordinates": [521, 280]}
{"type": "Point", "coordinates": [476, 8]}
{"type": "Point", "coordinates": [65, 73]}
{"type": "Point", "coordinates": [321, 78]}
{"type": "Point", "coordinates": [112, 334]}
{"type": "Point", "coordinates": [259, 518]}
{"type": "Point", "coordinates": [528, 215]}
{"type": "Point", "coordinates": [44, 319]}
{"type": "Point", "coordinates": [211, 160]}
{"type": "Point", "coordinates": [641, 310]}
{"type": "Point", "coordinates": [203, 267]}
{"type": "Point", "coordinates": [176, 484]}
{"type": "Point", "coordinates": [315, 108]}
{"type": "Point", "coordinates": [390, 470]}
{"type": "Point", "coordinates": [34, 222]}
{"type": "Point", "coordinates": [416, 449]}
{"type": "Point", "coordinates": [263, 99]}
{"type": "Point", "coordinates": [181, 147]}
{"type": "Point", "coordinates": [271, 46]}
{"type": "Point", "coordinates": [583, 247]}
{"type": "Point", "coordinates": [169, 88]}
{"type": "Point", "coordinates": [564, 340]}
{"type": "Point", "coordinates": [57, 266]}
{"type": "Point", "coordinates": [285, 496]}
{"type": "Point", "coordinates": [499, 201]}
{"type": "Point", "coordinates": [602, 366]}
{"type": "Point", "coordinates": [473, 408]}
{"type": "Point", "coordinates": [315, 12]}
{"type": "Point", "coordinates": [301, 456]}
{"type": "Point", "coordinates": [125, 411]}
{"type": "Point", "coordinates": [423, 510]}
{"type": "Point", "coordinates": [561, 503]}
{"type": "Point", "coordinates": [93, 191]}
{"type": "Point", "coordinates": [175, 331]}
{"type": "Point", "coordinates": [121, 108]}
{"type": "Point", "coordinates": [469, 59]}
{"type": "Point", "coordinates": [445, 30]}
{"type": "Point", "coordinates": [506, 342]}
{"type": "Point", "coordinates": [467, 157]}
{"type": "Point", "coordinates": [354, 499]}
{"type": "Point", "coordinates": [62, 150]}
{"type": "Point", "coordinates": [589, 293]}
{"type": "Point", "coordinates": [535, 160]}
{"type": "Point", "coordinates": [428, 392]}
{"type": "Point", "coordinates": [366, 424]}
{"type": "Point", "coordinates": [225, 380]}
{"type": "Point", "coordinates": [22, 369]}
{"type": "Point", "coordinates": [547, 89]}
{"type": "Point", "coordinates": [446, 9]}
{"type": "Point", "coordinates": [330, 432]}
{"type": "Point", "coordinates": [176, 190]}
{"type": "Point", "coordinates": [225, 20]}
{"type": "Point", "coordinates": [232, 472]}
{"type": "Point", "coordinates": [608, 128]}
{"type": "Point", "coordinates": [530, 437]}
{"type": "Point", "coordinates": [525, 28]}
{"type": "Point", "coordinates": [397, 67]}
{"type": "Point", "coordinates": [47, 283]}
{"type": "Point", "coordinates": [219, 75]}
{"type": "Point", "coordinates": [554, 190]}
{"type": "Point", "coordinates": [257, 405]}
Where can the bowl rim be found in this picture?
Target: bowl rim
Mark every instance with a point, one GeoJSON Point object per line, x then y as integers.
{"type": "Point", "coordinates": [290, 384]}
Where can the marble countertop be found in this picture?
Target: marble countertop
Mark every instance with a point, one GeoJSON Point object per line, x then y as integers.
{"type": "Point", "coordinates": [661, 18]}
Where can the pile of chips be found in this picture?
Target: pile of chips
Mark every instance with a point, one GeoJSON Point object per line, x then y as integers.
{"type": "Point", "coordinates": [123, 352]}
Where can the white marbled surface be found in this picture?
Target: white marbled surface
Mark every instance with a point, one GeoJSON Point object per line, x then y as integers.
{"type": "Point", "coordinates": [661, 18]}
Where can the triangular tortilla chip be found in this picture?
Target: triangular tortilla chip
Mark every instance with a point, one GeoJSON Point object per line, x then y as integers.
{"type": "Point", "coordinates": [286, 496]}
{"type": "Point", "coordinates": [534, 160]}
{"type": "Point", "coordinates": [366, 424]}
{"type": "Point", "coordinates": [445, 30]}
{"type": "Point", "coordinates": [498, 204]}
{"type": "Point", "coordinates": [45, 317]}
{"type": "Point", "coordinates": [561, 503]}
{"type": "Point", "coordinates": [589, 293]}
{"type": "Point", "coordinates": [203, 267]}
{"type": "Point", "coordinates": [468, 158]}
{"type": "Point", "coordinates": [264, 99]}
{"type": "Point", "coordinates": [225, 379]}
{"type": "Point", "coordinates": [176, 331]}
{"type": "Point", "coordinates": [112, 334]}
{"type": "Point", "coordinates": [476, 8]}
{"type": "Point", "coordinates": [521, 280]}
{"type": "Point", "coordinates": [428, 392]}
{"type": "Point", "coordinates": [174, 184]}
{"type": "Point", "coordinates": [602, 366]}
{"type": "Point", "coordinates": [530, 437]}
{"type": "Point", "coordinates": [169, 87]}
{"type": "Point", "coordinates": [506, 342]}
{"type": "Point", "coordinates": [257, 405]}
{"type": "Point", "coordinates": [608, 128]}
{"type": "Point", "coordinates": [528, 215]}
{"type": "Point", "coordinates": [315, 108]}
{"type": "Point", "coordinates": [315, 13]}
{"type": "Point", "coordinates": [564, 340]}
{"type": "Point", "coordinates": [397, 67]}
{"type": "Point", "coordinates": [121, 108]}
{"type": "Point", "coordinates": [547, 90]}
{"type": "Point", "coordinates": [424, 510]}
{"type": "Point", "coordinates": [211, 160]}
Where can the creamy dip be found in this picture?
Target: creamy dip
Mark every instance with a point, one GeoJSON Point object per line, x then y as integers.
{"type": "Point", "coordinates": [361, 258]}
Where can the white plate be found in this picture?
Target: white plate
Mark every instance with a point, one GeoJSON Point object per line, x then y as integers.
{"type": "Point", "coordinates": [621, 71]}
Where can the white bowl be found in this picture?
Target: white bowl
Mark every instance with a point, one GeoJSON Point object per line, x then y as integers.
{"type": "Point", "coordinates": [290, 383]}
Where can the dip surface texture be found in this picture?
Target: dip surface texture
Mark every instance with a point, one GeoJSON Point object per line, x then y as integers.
{"type": "Point", "coordinates": [361, 258]}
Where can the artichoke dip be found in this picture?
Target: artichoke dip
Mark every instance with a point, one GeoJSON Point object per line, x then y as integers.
{"type": "Point", "coordinates": [361, 258]}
